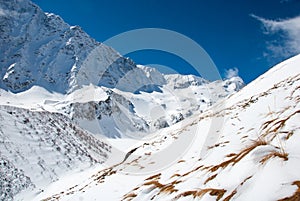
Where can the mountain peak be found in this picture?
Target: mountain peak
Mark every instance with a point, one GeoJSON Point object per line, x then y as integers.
{"type": "Point", "coordinates": [41, 49]}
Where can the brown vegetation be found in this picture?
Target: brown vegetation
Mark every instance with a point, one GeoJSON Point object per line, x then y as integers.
{"type": "Point", "coordinates": [230, 195]}
{"type": "Point", "coordinates": [199, 193]}
{"type": "Point", "coordinates": [296, 195]}
{"type": "Point", "coordinates": [210, 178]}
{"type": "Point", "coordinates": [195, 169]}
{"type": "Point", "coordinates": [234, 158]}
{"type": "Point", "coordinates": [156, 176]}
{"type": "Point", "coordinates": [163, 188]}
{"type": "Point", "coordinates": [129, 196]}
{"type": "Point", "coordinates": [274, 154]}
{"type": "Point", "coordinates": [274, 125]}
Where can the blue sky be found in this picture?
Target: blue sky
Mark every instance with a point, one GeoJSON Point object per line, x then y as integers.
{"type": "Point", "coordinates": [248, 35]}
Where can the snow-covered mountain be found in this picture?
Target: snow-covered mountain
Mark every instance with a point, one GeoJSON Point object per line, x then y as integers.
{"type": "Point", "coordinates": [65, 98]}
{"type": "Point", "coordinates": [116, 114]}
{"type": "Point", "coordinates": [243, 148]}
{"type": "Point", "coordinates": [78, 121]}
{"type": "Point", "coordinates": [40, 49]}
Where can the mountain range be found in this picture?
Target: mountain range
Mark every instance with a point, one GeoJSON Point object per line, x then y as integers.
{"type": "Point", "coordinates": [80, 121]}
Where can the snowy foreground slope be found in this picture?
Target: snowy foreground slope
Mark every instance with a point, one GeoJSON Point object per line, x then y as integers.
{"type": "Point", "coordinates": [244, 148]}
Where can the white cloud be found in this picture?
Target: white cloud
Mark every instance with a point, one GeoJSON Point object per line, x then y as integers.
{"type": "Point", "coordinates": [289, 34]}
{"type": "Point", "coordinates": [232, 72]}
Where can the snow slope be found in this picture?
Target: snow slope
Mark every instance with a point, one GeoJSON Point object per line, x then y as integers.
{"type": "Point", "coordinates": [243, 148]}
{"type": "Point", "coordinates": [116, 113]}
{"type": "Point", "coordinates": [38, 147]}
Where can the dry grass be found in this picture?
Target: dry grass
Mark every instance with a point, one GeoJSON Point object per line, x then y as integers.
{"type": "Point", "coordinates": [129, 196]}
{"type": "Point", "coordinates": [210, 178]}
{"type": "Point", "coordinates": [235, 190]}
{"type": "Point", "coordinates": [186, 193]}
{"type": "Point", "coordinates": [289, 134]}
{"type": "Point", "coordinates": [175, 175]}
{"type": "Point", "coordinates": [218, 144]}
{"type": "Point", "coordinates": [169, 188]}
{"type": "Point", "coordinates": [245, 180]}
{"type": "Point", "coordinates": [163, 188]}
{"type": "Point", "coordinates": [156, 176]}
{"type": "Point", "coordinates": [230, 195]}
{"type": "Point", "coordinates": [296, 195]}
{"type": "Point", "coordinates": [199, 193]}
{"type": "Point", "coordinates": [154, 183]}
{"type": "Point", "coordinates": [103, 174]}
{"type": "Point", "coordinates": [235, 158]}
{"type": "Point", "coordinates": [274, 154]}
{"type": "Point", "coordinates": [217, 192]}
{"type": "Point", "coordinates": [194, 170]}
{"type": "Point", "coordinates": [230, 155]}
{"type": "Point", "coordinates": [274, 125]}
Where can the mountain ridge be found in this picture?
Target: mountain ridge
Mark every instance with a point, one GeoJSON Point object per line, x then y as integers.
{"type": "Point", "coordinates": [252, 155]}
{"type": "Point", "coordinates": [71, 105]}
{"type": "Point", "coordinates": [40, 49]}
